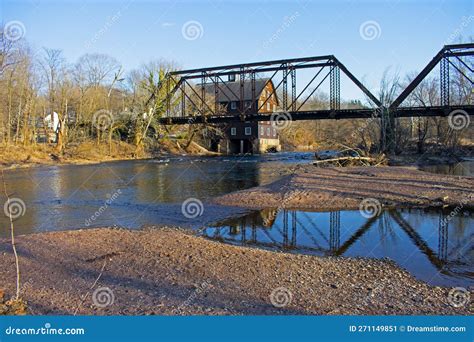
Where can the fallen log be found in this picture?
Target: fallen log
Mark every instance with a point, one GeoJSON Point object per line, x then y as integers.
{"type": "Point", "coordinates": [346, 160]}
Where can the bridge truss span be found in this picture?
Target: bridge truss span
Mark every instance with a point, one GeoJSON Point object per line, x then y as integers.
{"type": "Point", "coordinates": [239, 92]}
{"type": "Point", "coordinates": [202, 95]}
{"type": "Point", "coordinates": [456, 85]}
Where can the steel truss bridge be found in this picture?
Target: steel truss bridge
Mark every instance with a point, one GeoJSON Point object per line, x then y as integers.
{"type": "Point", "coordinates": [186, 99]}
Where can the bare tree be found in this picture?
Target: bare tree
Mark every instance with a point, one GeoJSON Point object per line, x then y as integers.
{"type": "Point", "coordinates": [97, 69]}
{"type": "Point", "coordinates": [8, 52]}
{"type": "Point", "coordinates": [58, 85]}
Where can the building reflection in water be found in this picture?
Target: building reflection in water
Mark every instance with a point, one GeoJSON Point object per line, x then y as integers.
{"type": "Point", "coordinates": [65, 197]}
{"type": "Point", "coordinates": [429, 244]}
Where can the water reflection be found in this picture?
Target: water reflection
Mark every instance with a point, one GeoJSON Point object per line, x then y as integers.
{"type": "Point", "coordinates": [433, 248]}
{"type": "Point", "coordinates": [465, 168]}
{"type": "Point", "coordinates": [66, 197]}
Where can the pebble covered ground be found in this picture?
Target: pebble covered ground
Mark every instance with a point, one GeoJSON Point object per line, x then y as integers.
{"type": "Point", "coordinates": [167, 271]}
{"type": "Point", "coordinates": [311, 187]}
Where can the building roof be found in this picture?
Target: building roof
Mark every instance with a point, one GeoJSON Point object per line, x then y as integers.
{"type": "Point", "coordinates": [230, 91]}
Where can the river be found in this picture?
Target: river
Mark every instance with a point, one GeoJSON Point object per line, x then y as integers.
{"type": "Point", "coordinates": [138, 193]}
{"type": "Point", "coordinates": [132, 193]}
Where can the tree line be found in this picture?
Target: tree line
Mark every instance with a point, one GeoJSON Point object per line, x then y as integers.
{"type": "Point", "coordinates": [91, 99]}
{"type": "Point", "coordinates": [94, 99]}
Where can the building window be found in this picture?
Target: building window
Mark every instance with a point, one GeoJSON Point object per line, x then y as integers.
{"type": "Point", "coordinates": [248, 130]}
{"type": "Point", "coordinates": [233, 131]}
{"type": "Point", "coordinates": [268, 131]}
{"type": "Point", "coordinates": [248, 104]}
{"type": "Point", "coordinates": [268, 106]}
{"type": "Point", "coordinates": [233, 105]}
{"type": "Point", "coordinates": [231, 77]}
{"type": "Point", "coordinates": [274, 132]}
{"type": "Point", "coordinates": [262, 131]}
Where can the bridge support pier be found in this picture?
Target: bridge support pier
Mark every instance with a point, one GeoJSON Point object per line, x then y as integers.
{"type": "Point", "coordinates": [387, 134]}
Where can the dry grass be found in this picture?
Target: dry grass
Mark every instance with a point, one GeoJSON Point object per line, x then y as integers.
{"type": "Point", "coordinates": [89, 152]}
{"type": "Point", "coordinates": [17, 154]}
{"type": "Point", "coordinates": [86, 152]}
{"type": "Point", "coordinates": [13, 307]}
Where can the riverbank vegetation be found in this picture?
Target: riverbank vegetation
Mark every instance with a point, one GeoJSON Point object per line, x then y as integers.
{"type": "Point", "coordinates": [55, 110]}
{"type": "Point", "coordinates": [91, 109]}
{"type": "Point", "coordinates": [416, 135]}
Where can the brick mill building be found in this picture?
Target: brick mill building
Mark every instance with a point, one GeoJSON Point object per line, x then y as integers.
{"type": "Point", "coordinates": [250, 136]}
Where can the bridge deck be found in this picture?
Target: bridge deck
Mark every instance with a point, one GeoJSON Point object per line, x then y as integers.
{"type": "Point", "coordinates": [321, 115]}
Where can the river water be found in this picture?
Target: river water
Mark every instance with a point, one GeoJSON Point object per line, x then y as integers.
{"type": "Point", "coordinates": [430, 244]}
{"type": "Point", "coordinates": [134, 194]}
{"type": "Point", "coordinates": [464, 168]}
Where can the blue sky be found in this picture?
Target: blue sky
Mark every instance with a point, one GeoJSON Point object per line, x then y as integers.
{"type": "Point", "coordinates": [407, 33]}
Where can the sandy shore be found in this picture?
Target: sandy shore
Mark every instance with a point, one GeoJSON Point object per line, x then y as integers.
{"type": "Point", "coordinates": [311, 187]}
{"type": "Point", "coordinates": [167, 271]}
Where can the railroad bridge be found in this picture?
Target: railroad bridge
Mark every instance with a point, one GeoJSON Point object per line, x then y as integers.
{"type": "Point", "coordinates": [231, 93]}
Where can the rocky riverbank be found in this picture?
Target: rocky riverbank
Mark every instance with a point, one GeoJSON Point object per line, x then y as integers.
{"type": "Point", "coordinates": [172, 272]}
{"type": "Point", "coordinates": [311, 187]}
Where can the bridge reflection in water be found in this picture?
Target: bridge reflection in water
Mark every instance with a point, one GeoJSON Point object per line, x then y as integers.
{"type": "Point", "coordinates": [432, 246]}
